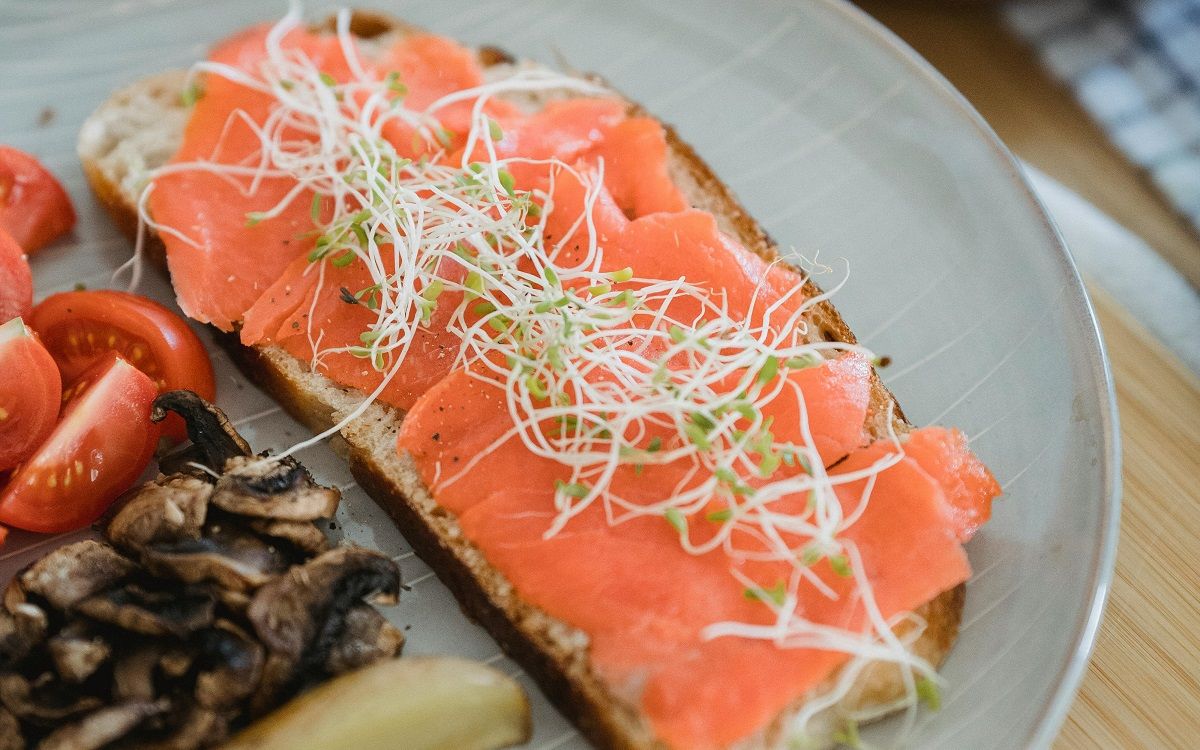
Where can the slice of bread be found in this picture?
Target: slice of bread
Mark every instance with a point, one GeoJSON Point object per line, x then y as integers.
{"type": "Point", "coordinates": [138, 129]}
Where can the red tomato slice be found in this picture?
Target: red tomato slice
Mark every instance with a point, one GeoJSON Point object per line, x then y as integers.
{"type": "Point", "coordinates": [16, 280]}
{"type": "Point", "coordinates": [81, 327]}
{"type": "Point", "coordinates": [99, 448]}
{"type": "Point", "coordinates": [29, 401]}
{"type": "Point", "coordinates": [34, 208]}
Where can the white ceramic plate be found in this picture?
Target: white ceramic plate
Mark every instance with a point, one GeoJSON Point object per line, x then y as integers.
{"type": "Point", "coordinates": [842, 142]}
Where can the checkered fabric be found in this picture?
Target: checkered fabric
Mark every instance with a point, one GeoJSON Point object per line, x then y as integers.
{"type": "Point", "coordinates": [1135, 66]}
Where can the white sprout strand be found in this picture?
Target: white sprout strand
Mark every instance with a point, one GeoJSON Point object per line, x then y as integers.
{"type": "Point", "coordinates": [604, 355]}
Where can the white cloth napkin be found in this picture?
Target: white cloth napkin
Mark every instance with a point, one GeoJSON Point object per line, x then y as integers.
{"type": "Point", "coordinates": [1120, 262]}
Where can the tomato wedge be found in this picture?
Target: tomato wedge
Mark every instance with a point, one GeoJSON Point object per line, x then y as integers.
{"type": "Point", "coordinates": [16, 280]}
{"type": "Point", "coordinates": [34, 208]}
{"type": "Point", "coordinates": [29, 401]}
{"type": "Point", "coordinates": [81, 327]}
{"type": "Point", "coordinates": [99, 448]}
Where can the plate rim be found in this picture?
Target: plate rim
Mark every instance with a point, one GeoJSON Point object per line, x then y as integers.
{"type": "Point", "coordinates": [1072, 670]}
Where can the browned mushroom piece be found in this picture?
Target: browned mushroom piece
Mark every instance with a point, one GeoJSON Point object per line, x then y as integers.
{"type": "Point", "coordinates": [103, 726]}
{"type": "Point", "coordinates": [234, 601]}
{"type": "Point", "coordinates": [276, 683]}
{"type": "Point", "coordinates": [172, 610]}
{"type": "Point", "coordinates": [72, 573]}
{"type": "Point", "coordinates": [169, 510]}
{"type": "Point", "coordinates": [10, 732]}
{"type": "Point", "coordinates": [302, 535]}
{"type": "Point", "coordinates": [229, 666]}
{"type": "Point", "coordinates": [192, 727]}
{"type": "Point", "coordinates": [77, 651]}
{"type": "Point", "coordinates": [44, 701]}
{"type": "Point", "coordinates": [22, 625]}
{"type": "Point", "coordinates": [14, 594]}
{"type": "Point", "coordinates": [279, 489]}
{"type": "Point", "coordinates": [133, 672]}
{"type": "Point", "coordinates": [227, 555]}
{"type": "Point", "coordinates": [366, 637]}
{"type": "Point", "coordinates": [301, 613]}
{"type": "Point", "coordinates": [176, 661]}
{"type": "Point", "coordinates": [214, 440]}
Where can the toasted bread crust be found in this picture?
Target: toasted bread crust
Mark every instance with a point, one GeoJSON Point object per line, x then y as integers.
{"type": "Point", "coordinates": [553, 653]}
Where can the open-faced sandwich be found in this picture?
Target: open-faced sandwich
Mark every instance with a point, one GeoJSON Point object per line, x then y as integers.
{"type": "Point", "coordinates": [643, 451]}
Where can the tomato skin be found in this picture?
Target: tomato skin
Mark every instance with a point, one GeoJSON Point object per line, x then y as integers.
{"type": "Point", "coordinates": [29, 401]}
{"type": "Point", "coordinates": [98, 449]}
{"type": "Point", "coordinates": [81, 327]}
{"type": "Point", "coordinates": [16, 280]}
{"type": "Point", "coordinates": [34, 207]}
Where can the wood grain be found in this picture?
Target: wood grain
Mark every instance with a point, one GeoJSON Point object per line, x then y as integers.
{"type": "Point", "coordinates": [1142, 689]}
{"type": "Point", "coordinates": [1143, 686]}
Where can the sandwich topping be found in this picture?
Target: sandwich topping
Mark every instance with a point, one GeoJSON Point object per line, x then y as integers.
{"type": "Point", "coordinates": [632, 415]}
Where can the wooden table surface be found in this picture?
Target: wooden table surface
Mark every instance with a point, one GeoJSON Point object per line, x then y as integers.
{"type": "Point", "coordinates": [1142, 688]}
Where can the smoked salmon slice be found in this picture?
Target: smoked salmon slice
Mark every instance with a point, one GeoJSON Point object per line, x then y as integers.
{"type": "Point", "coordinates": [966, 483]}
{"type": "Point", "coordinates": [689, 245]}
{"type": "Point", "coordinates": [225, 265]}
{"type": "Point", "coordinates": [562, 130]}
{"type": "Point", "coordinates": [634, 153]}
{"type": "Point", "coordinates": [313, 308]}
{"type": "Point", "coordinates": [455, 428]}
{"type": "Point", "coordinates": [233, 272]}
{"type": "Point", "coordinates": [430, 67]}
{"type": "Point", "coordinates": [643, 600]}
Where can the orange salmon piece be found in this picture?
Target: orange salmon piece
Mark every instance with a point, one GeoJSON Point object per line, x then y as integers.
{"type": "Point", "coordinates": [607, 581]}
{"type": "Point", "coordinates": [457, 424]}
{"type": "Point", "coordinates": [644, 602]}
{"type": "Point", "coordinates": [431, 67]}
{"type": "Point", "coordinates": [281, 316]}
{"type": "Point", "coordinates": [733, 687]}
{"type": "Point", "coordinates": [835, 398]}
{"type": "Point", "coordinates": [689, 245]}
{"type": "Point", "coordinates": [908, 536]}
{"type": "Point", "coordinates": [634, 153]}
{"type": "Point", "coordinates": [968, 485]}
{"type": "Point", "coordinates": [566, 238]}
{"type": "Point", "coordinates": [729, 688]}
{"type": "Point", "coordinates": [233, 263]}
{"type": "Point", "coordinates": [271, 315]}
{"type": "Point", "coordinates": [562, 130]}
{"type": "Point", "coordinates": [590, 131]}
{"type": "Point", "coordinates": [460, 435]}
